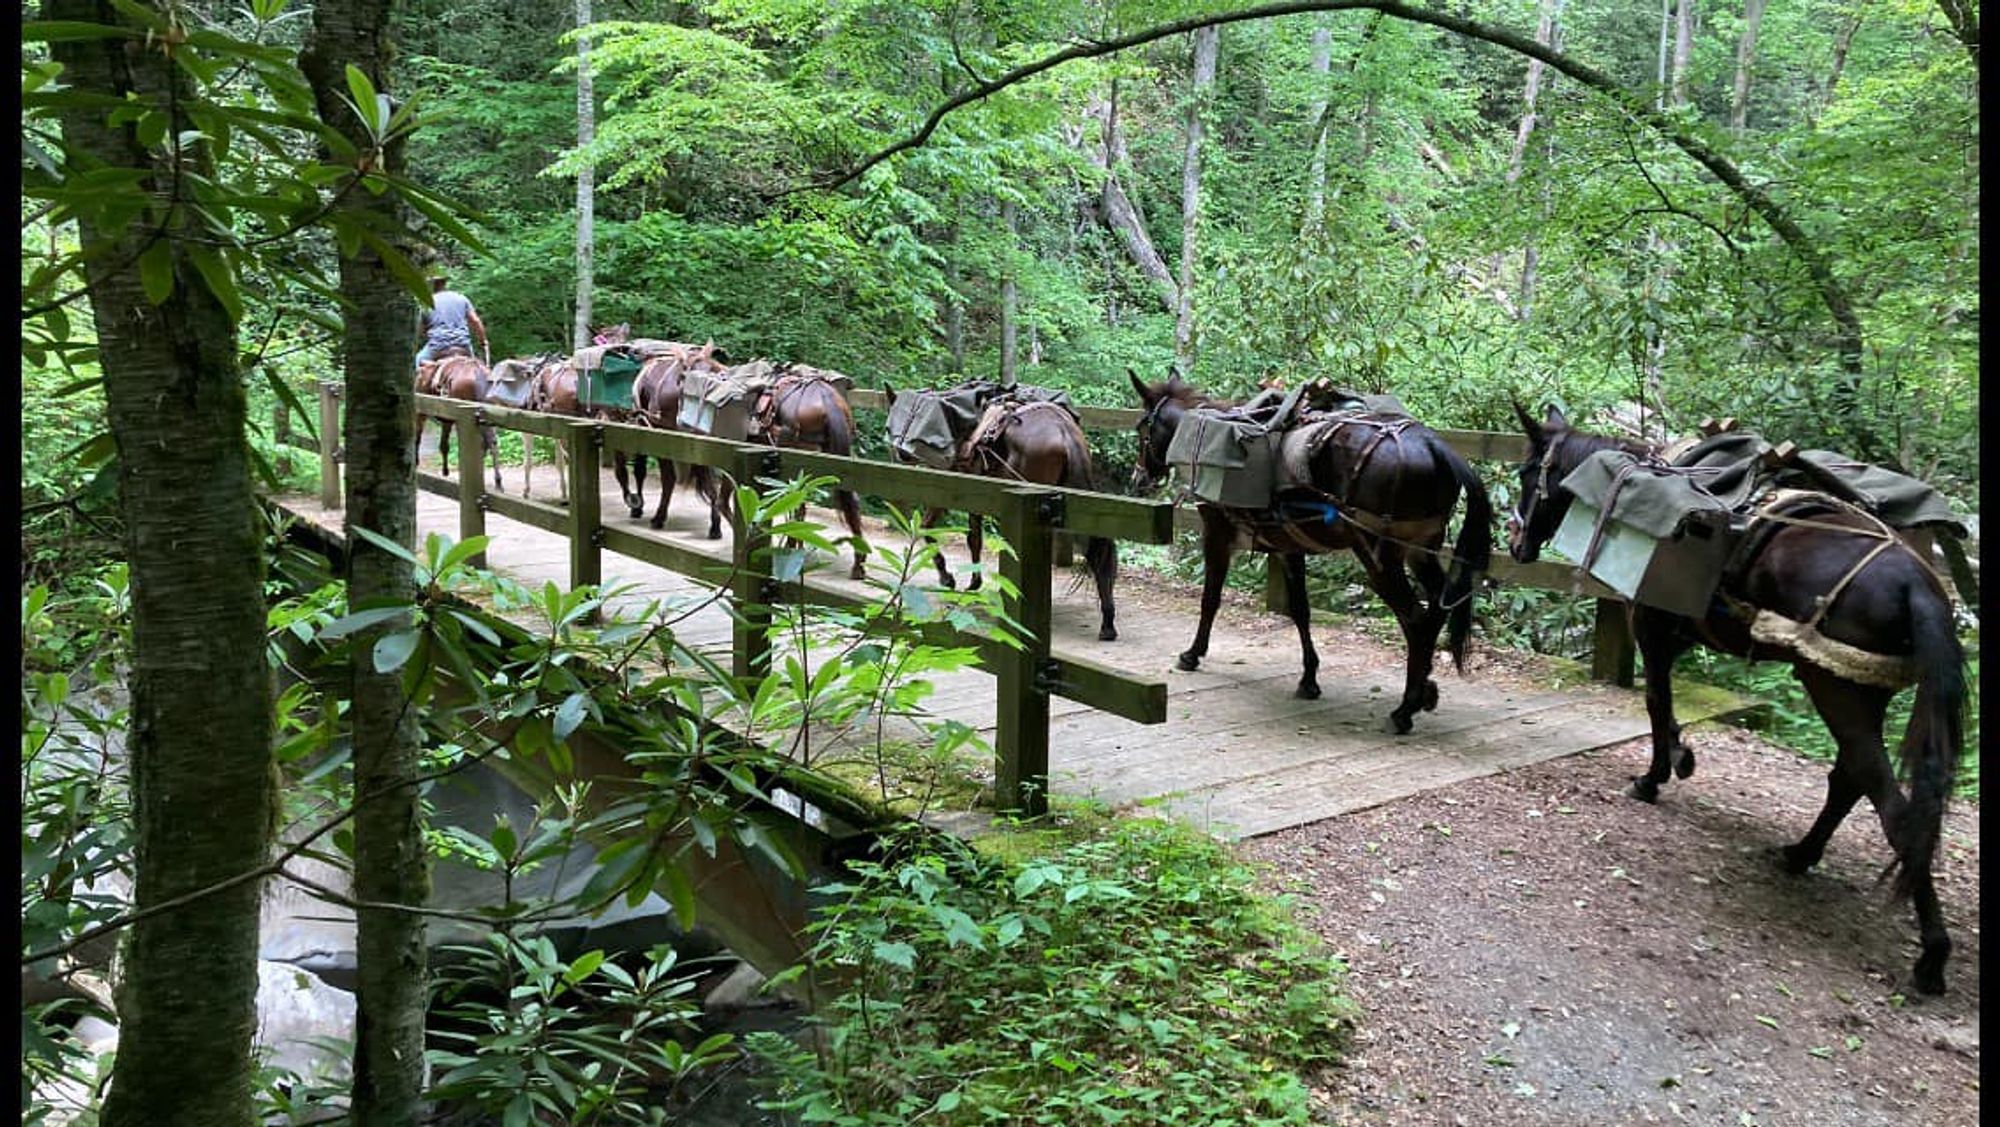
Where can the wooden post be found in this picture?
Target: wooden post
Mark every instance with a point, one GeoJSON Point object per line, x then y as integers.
{"type": "Point", "coordinates": [1611, 650]}
{"type": "Point", "coordinates": [1276, 599]}
{"type": "Point", "coordinates": [1021, 737]}
{"type": "Point", "coordinates": [751, 587]}
{"type": "Point", "coordinates": [281, 437]}
{"type": "Point", "coordinates": [471, 486]}
{"type": "Point", "coordinates": [329, 444]}
{"type": "Point", "coordinates": [586, 534]}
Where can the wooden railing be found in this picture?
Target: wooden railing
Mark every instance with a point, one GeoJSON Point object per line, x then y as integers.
{"type": "Point", "coordinates": [1029, 518]}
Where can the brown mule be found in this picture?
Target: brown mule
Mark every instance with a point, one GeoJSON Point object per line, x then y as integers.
{"type": "Point", "coordinates": [656, 398]}
{"type": "Point", "coordinates": [1875, 618]}
{"type": "Point", "coordinates": [457, 375]}
{"type": "Point", "coordinates": [1034, 443]}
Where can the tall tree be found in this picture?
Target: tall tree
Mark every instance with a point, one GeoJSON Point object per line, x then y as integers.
{"type": "Point", "coordinates": [586, 196]}
{"type": "Point", "coordinates": [1746, 57]}
{"type": "Point", "coordinates": [1117, 210]}
{"type": "Point", "coordinates": [390, 860]}
{"type": "Point", "coordinates": [201, 708]}
{"type": "Point", "coordinates": [1206, 43]}
{"type": "Point", "coordinates": [1322, 66]}
{"type": "Point", "coordinates": [1547, 35]}
{"type": "Point", "coordinates": [1677, 92]}
{"type": "Point", "coordinates": [1009, 313]}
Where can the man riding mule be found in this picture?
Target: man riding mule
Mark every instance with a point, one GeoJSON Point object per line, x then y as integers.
{"type": "Point", "coordinates": [1354, 475]}
{"type": "Point", "coordinates": [1821, 573]}
{"type": "Point", "coordinates": [446, 366]}
{"type": "Point", "coordinates": [1016, 433]}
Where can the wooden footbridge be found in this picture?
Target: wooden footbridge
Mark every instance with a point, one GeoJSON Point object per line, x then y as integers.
{"type": "Point", "coordinates": [1227, 747]}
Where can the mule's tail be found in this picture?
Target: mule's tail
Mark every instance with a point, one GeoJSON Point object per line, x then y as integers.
{"type": "Point", "coordinates": [1472, 555]}
{"type": "Point", "coordinates": [1936, 732]}
{"type": "Point", "coordinates": [1100, 556]}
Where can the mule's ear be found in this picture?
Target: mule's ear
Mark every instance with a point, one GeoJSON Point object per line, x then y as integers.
{"type": "Point", "coordinates": [888, 394]}
{"type": "Point", "coordinates": [1529, 426]}
{"type": "Point", "coordinates": [1555, 420]}
{"type": "Point", "coordinates": [1139, 385]}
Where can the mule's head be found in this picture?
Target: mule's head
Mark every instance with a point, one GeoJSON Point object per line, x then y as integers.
{"type": "Point", "coordinates": [1539, 501]}
{"type": "Point", "coordinates": [1161, 405]}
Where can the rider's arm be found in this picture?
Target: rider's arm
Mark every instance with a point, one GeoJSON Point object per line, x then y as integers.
{"type": "Point", "coordinates": [478, 326]}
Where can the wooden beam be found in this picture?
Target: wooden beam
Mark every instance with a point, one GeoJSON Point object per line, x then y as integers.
{"type": "Point", "coordinates": [537, 514]}
{"type": "Point", "coordinates": [1612, 650]}
{"type": "Point", "coordinates": [472, 486]}
{"type": "Point", "coordinates": [1021, 736]}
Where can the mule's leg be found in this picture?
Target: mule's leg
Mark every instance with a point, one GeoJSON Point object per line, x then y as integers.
{"type": "Point", "coordinates": [444, 447]}
{"type": "Point", "coordinates": [639, 483]}
{"type": "Point", "coordinates": [1215, 544]}
{"type": "Point", "coordinates": [635, 504]}
{"type": "Point", "coordinates": [1854, 714]}
{"type": "Point", "coordinates": [945, 580]}
{"type": "Point", "coordinates": [1100, 554]}
{"type": "Point", "coordinates": [527, 462]}
{"type": "Point", "coordinates": [1420, 626]}
{"type": "Point", "coordinates": [975, 544]}
{"type": "Point", "coordinates": [706, 484]}
{"type": "Point", "coordinates": [669, 477]}
{"type": "Point", "coordinates": [1294, 564]}
{"type": "Point", "coordinates": [850, 510]}
{"type": "Point", "coordinates": [492, 439]}
{"type": "Point", "coordinates": [1660, 645]}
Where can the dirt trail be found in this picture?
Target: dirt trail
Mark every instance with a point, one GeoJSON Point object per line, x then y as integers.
{"type": "Point", "coordinates": [1536, 947]}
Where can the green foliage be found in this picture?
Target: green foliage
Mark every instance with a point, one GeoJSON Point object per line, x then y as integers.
{"type": "Point", "coordinates": [1133, 976]}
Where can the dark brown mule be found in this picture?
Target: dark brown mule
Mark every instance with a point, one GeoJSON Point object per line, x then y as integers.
{"type": "Point", "coordinates": [656, 397]}
{"type": "Point", "coordinates": [807, 411]}
{"type": "Point", "coordinates": [1884, 621]}
{"type": "Point", "coordinates": [457, 375]}
{"type": "Point", "coordinates": [1034, 443]}
{"type": "Point", "coordinates": [555, 394]}
{"type": "Point", "coordinates": [1387, 487]}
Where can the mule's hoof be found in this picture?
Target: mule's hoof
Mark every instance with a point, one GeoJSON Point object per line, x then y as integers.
{"type": "Point", "coordinates": [1399, 723]}
{"type": "Point", "coordinates": [1794, 860]}
{"type": "Point", "coordinates": [974, 584]}
{"type": "Point", "coordinates": [657, 523]}
{"type": "Point", "coordinates": [1430, 698]}
{"type": "Point", "coordinates": [1643, 789]}
{"type": "Point", "coordinates": [946, 581]}
{"type": "Point", "coordinates": [1683, 760]}
{"type": "Point", "coordinates": [715, 534]}
{"type": "Point", "coordinates": [637, 511]}
{"type": "Point", "coordinates": [1929, 975]}
{"type": "Point", "coordinates": [857, 573]}
{"type": "Point", "coordinates": [1188, 662]}
{"type": "Point", "coordinates": [1107, 633]}
{"type": "Point", "coordinates": [1307, 690]}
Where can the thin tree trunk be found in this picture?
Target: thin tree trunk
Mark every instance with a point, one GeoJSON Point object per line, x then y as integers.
{"type": "Point", "coordinates": [200, 741]}
{"type": "Point", "coordinates": [1683, 51]}
{"type": "Point", "coordinates": [390, 863]}
{"type": "Point", "coordinates": [1008, 327]}
{"type": "Point", "coordinates": [586, 200]}
{"type": "Point", "coordinates": [1547, 34]}
{"type": "Point", "coordinates": [1118, 212]}
{"type": "Point", "coordinates": [1746, 57]}
{"type": "Point", "coordinates": [954, 307]}
{"type": "Point", "coordinates": [1206, 43]}
{"type": "Point", "coordinates": [1661, 73]}
{"type": "Point", "coordinates": [1842, 40]}
{"type": "Point", "coordinates": [1322, 66]}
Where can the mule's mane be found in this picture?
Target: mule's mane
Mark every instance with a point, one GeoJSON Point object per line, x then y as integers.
{"type": "Point", "coordinates": [1574, 447]}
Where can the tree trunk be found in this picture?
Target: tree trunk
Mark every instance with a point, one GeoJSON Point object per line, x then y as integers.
{"type": "Point", "coordinates": [1842, 40]}
{"type": "Point", "coordinates": [954, 307]}
{"type": "Point", "coordinates": [1117, 211]}
{"type": "Point", "coordinates": [390, 863]}
{"type": "Point", "coordinates": [1746, 55]}
{"type": "Point", "coordinates": [200, 741]}
{"type": "Point", "coordinates": [1683, 51]}
{"type": "Point", "coordinates": [1661, 73]}
{"type": "Point", "coordinates": [1322, 66]}
{"type": "Point", "coordinates": [1206, 42]}
{"type": "Point", "coordinates": [1547, 34]}
{"type": "Point", "coordinates": [586, 200]}
{"type": "Point", "coordinates": [1008, 328]}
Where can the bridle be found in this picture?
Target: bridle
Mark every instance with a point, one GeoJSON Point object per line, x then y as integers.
{"type": "Point", "coordinates": [1524, 517]}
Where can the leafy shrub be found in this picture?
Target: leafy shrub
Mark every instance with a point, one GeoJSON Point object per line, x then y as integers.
{"type": "Point", "coordinates": [1133, 976]}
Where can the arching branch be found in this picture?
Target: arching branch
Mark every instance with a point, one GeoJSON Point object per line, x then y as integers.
{"type": "Point", "coordinates": [1848, 335]}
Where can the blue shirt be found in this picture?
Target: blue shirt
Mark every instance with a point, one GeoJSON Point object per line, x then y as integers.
{"type": "Point", "coordinates": [446, 324]}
